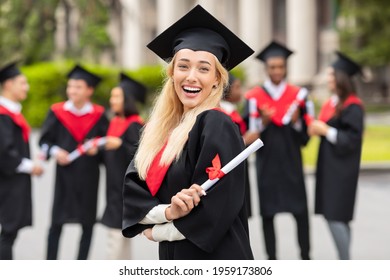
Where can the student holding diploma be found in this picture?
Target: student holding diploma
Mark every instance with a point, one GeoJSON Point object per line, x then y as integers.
{"type": "Point", "coordinates": [68, 126]}
{"type": "Point", "coordinates": [279, 165]}
{"type": "Point", "coordinates": [340, 126]}
{"type": "Point", "coordinates": [186, 142]}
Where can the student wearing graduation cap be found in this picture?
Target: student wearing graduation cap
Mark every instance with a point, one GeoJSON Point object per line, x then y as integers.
{"type": "Point", "coordinates": [186, 138]}
{"type": "Point", "coordinates": [16, 167]}
{"type": "Point", "coordinates": [340, 125]}
{"type": "Point", "coordinates": [232, 96]}
{"type": "Point", "coordinates": [122, 140]}
{"type": "Point", "coordinates": [67, 126]}
{"type": "Point", "coordinates": [279, 163]}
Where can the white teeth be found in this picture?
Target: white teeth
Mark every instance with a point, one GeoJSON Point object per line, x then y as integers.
{"type": "Point", "coordinates": [191, 89]}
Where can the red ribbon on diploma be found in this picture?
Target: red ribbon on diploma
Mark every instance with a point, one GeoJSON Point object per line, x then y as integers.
{"type": "Point", "coordinates": [95, 142]}
{"type": "Point", "coordinates": [81, 149]}
{"type": "Point", "coordinates": [215, 171]}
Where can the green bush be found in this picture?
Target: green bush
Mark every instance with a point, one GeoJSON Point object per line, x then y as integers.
{"type": "Point", "coordinates": [48, 85]}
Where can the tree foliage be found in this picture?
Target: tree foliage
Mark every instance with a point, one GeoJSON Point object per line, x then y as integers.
{"type": "Point", "coordinates": [365, 30]}
{"type": "Point", "coordinates": [28, 28]}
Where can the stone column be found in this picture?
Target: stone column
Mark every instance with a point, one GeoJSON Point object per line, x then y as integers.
{"type": "Point", "coordinates": [133, 48]}
{"type": "Point", "coordinates": [256, 31]}
{"type": "Point", "coordinates": [168, 12]}
{"type": "Point", "coordinates": [212, 6]}
{"type": "Point", "coordinates": [301, 38]}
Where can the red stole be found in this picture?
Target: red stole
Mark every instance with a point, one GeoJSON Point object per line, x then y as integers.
{"type": "Point", "coordinates": [280, 106]}
{"type": "Point", "coordinates": [78, 126]}
{"type": "Point", "coordinates": [237, 119]}
{"type": "Point", "coordinates": [119, 125]}
{"type": "Point", "coordinates": [329, 108]}
{"type": "Point", "coordinates": [156, 173]}
{"type": "Point", "coordinates": [19, 120]}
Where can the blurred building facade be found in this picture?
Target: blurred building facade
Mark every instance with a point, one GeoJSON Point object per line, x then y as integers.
{"type": "Point", "coordinates": [305, 26]}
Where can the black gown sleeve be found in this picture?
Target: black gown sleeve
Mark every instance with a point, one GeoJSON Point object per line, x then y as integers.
{"type": "Point", "coordinates": [137, 202]}
{"type": "Point", "coordinates": [102, 131]}
{"type": "Point", "coordinates": [49, 132]}
{"type": "Point", "coordinates": [10, 157]}
{"type": "Point", "coordinates": [349, 134]}
{"type": "Point", "coordinates": [131, 139]}
{"type": "Point", "coordinates": [245, 115]}
{"type": "Point", "coordinates": [302, 134]}
{"type": "Point", "coordinates": [208, 223]}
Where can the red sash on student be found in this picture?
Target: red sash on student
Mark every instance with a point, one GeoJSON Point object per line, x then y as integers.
{"type": "Point", "coordinates": [156, 173]}
{"type": "Point", "coordinates": [280, 106]}
{"type": "Point", "coordinates": [237, 119]}
{"type": "Point", "coordinates": [78, 126]}
{"type": "Point", "coordinates": [19, 120]}
{"type": "Point", "coordinates": [119, 125]}
{"type": "Point", "coordinates": [329, 108]}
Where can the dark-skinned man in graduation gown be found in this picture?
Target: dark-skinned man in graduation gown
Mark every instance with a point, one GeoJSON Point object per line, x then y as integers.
{"type": "Point", "coordinates": [279, 164]}
{"type": "Point", "coordinates": [67, 126]}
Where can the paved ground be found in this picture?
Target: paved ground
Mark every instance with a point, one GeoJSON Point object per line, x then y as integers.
{"type": "Point", "coordinates": [370, 229]}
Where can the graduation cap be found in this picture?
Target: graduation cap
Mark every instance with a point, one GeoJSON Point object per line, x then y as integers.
{"type": "Point", "coordinates": [79, 73]}
{"type": "Point", "coordinates": [132, 87]}
{"type": "Point", "coordinates": [345, 64]}
{"type": "Point", "coordinates": [198, 30]}
{"type": "Point", "coordinates": [9, 71]}
{"type": "Point", "coordinates": [274, 49]}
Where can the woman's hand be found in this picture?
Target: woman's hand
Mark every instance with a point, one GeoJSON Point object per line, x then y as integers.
{"type": "Point", "coordinates": [318, 128]}
{"type": "Point", "coordinates": [37, 170]}
{"type": "Point", "coordinates": [183, 202]}
{"type": "Point", "coordinates": [113, 143]}
{"type": "Point", "coordinates": [148, 233]}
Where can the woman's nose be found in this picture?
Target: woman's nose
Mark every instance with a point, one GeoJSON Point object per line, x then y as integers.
{"type": "Point", "coordinates": [191, 76]}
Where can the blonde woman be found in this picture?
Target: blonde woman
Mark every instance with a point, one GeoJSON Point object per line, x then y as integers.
{"type": "Point", "coordinates": [185, 141]}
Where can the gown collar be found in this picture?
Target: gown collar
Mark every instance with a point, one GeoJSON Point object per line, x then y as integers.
{"type": "Point", "coordinates": [86, 109]}
{"type": "Point", "coordinates": [13, 107]}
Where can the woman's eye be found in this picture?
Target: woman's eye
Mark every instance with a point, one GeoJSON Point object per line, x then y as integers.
{"type": "Point", "coordinates": [182, 66]}
{"type": "Point", "coordinates": [204, 69]}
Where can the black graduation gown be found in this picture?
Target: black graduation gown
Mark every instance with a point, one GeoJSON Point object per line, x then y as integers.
{"type": "Point", "coordinates": [242, 124]}
{"type": "Point", "coordinates": [217, 228]}
{"type": "Point", "coordinates": [76, 184]}
{"type": "Point", "coordinates": [338, 166]}
{"type": "Point", "coordinates": [116, 162]}
{"type": "Point", "coordinates": [15, 188]}
{"type": "Point", "coordinates": [279, 169]}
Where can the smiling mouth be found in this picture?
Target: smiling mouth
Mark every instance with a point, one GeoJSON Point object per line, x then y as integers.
{"type": "Point", "coordinates": [191, 90]}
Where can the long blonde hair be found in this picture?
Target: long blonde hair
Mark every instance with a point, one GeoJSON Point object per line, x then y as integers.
{"type": "Point", "coordinates": [168, 123]}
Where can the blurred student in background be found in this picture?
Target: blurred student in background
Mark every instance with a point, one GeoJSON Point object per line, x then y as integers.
{"type": "Point", "coordinates": [122, 141]}
{"type": "Point", "coordinates": [16, 166]}
{"type": "Point", "coordinates": [340, 125]}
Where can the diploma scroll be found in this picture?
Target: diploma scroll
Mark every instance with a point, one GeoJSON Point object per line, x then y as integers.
{"type": "Point", "coordinates": [253, 115]}
{"type": "Point", "coordinates": [235, 162]}
{"type": "Point", "coordinates": [96, 142]}
{"type": "Point", "coordinates": [42, 154]}
{"type": "Point", "coordinates": [302, 94]}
